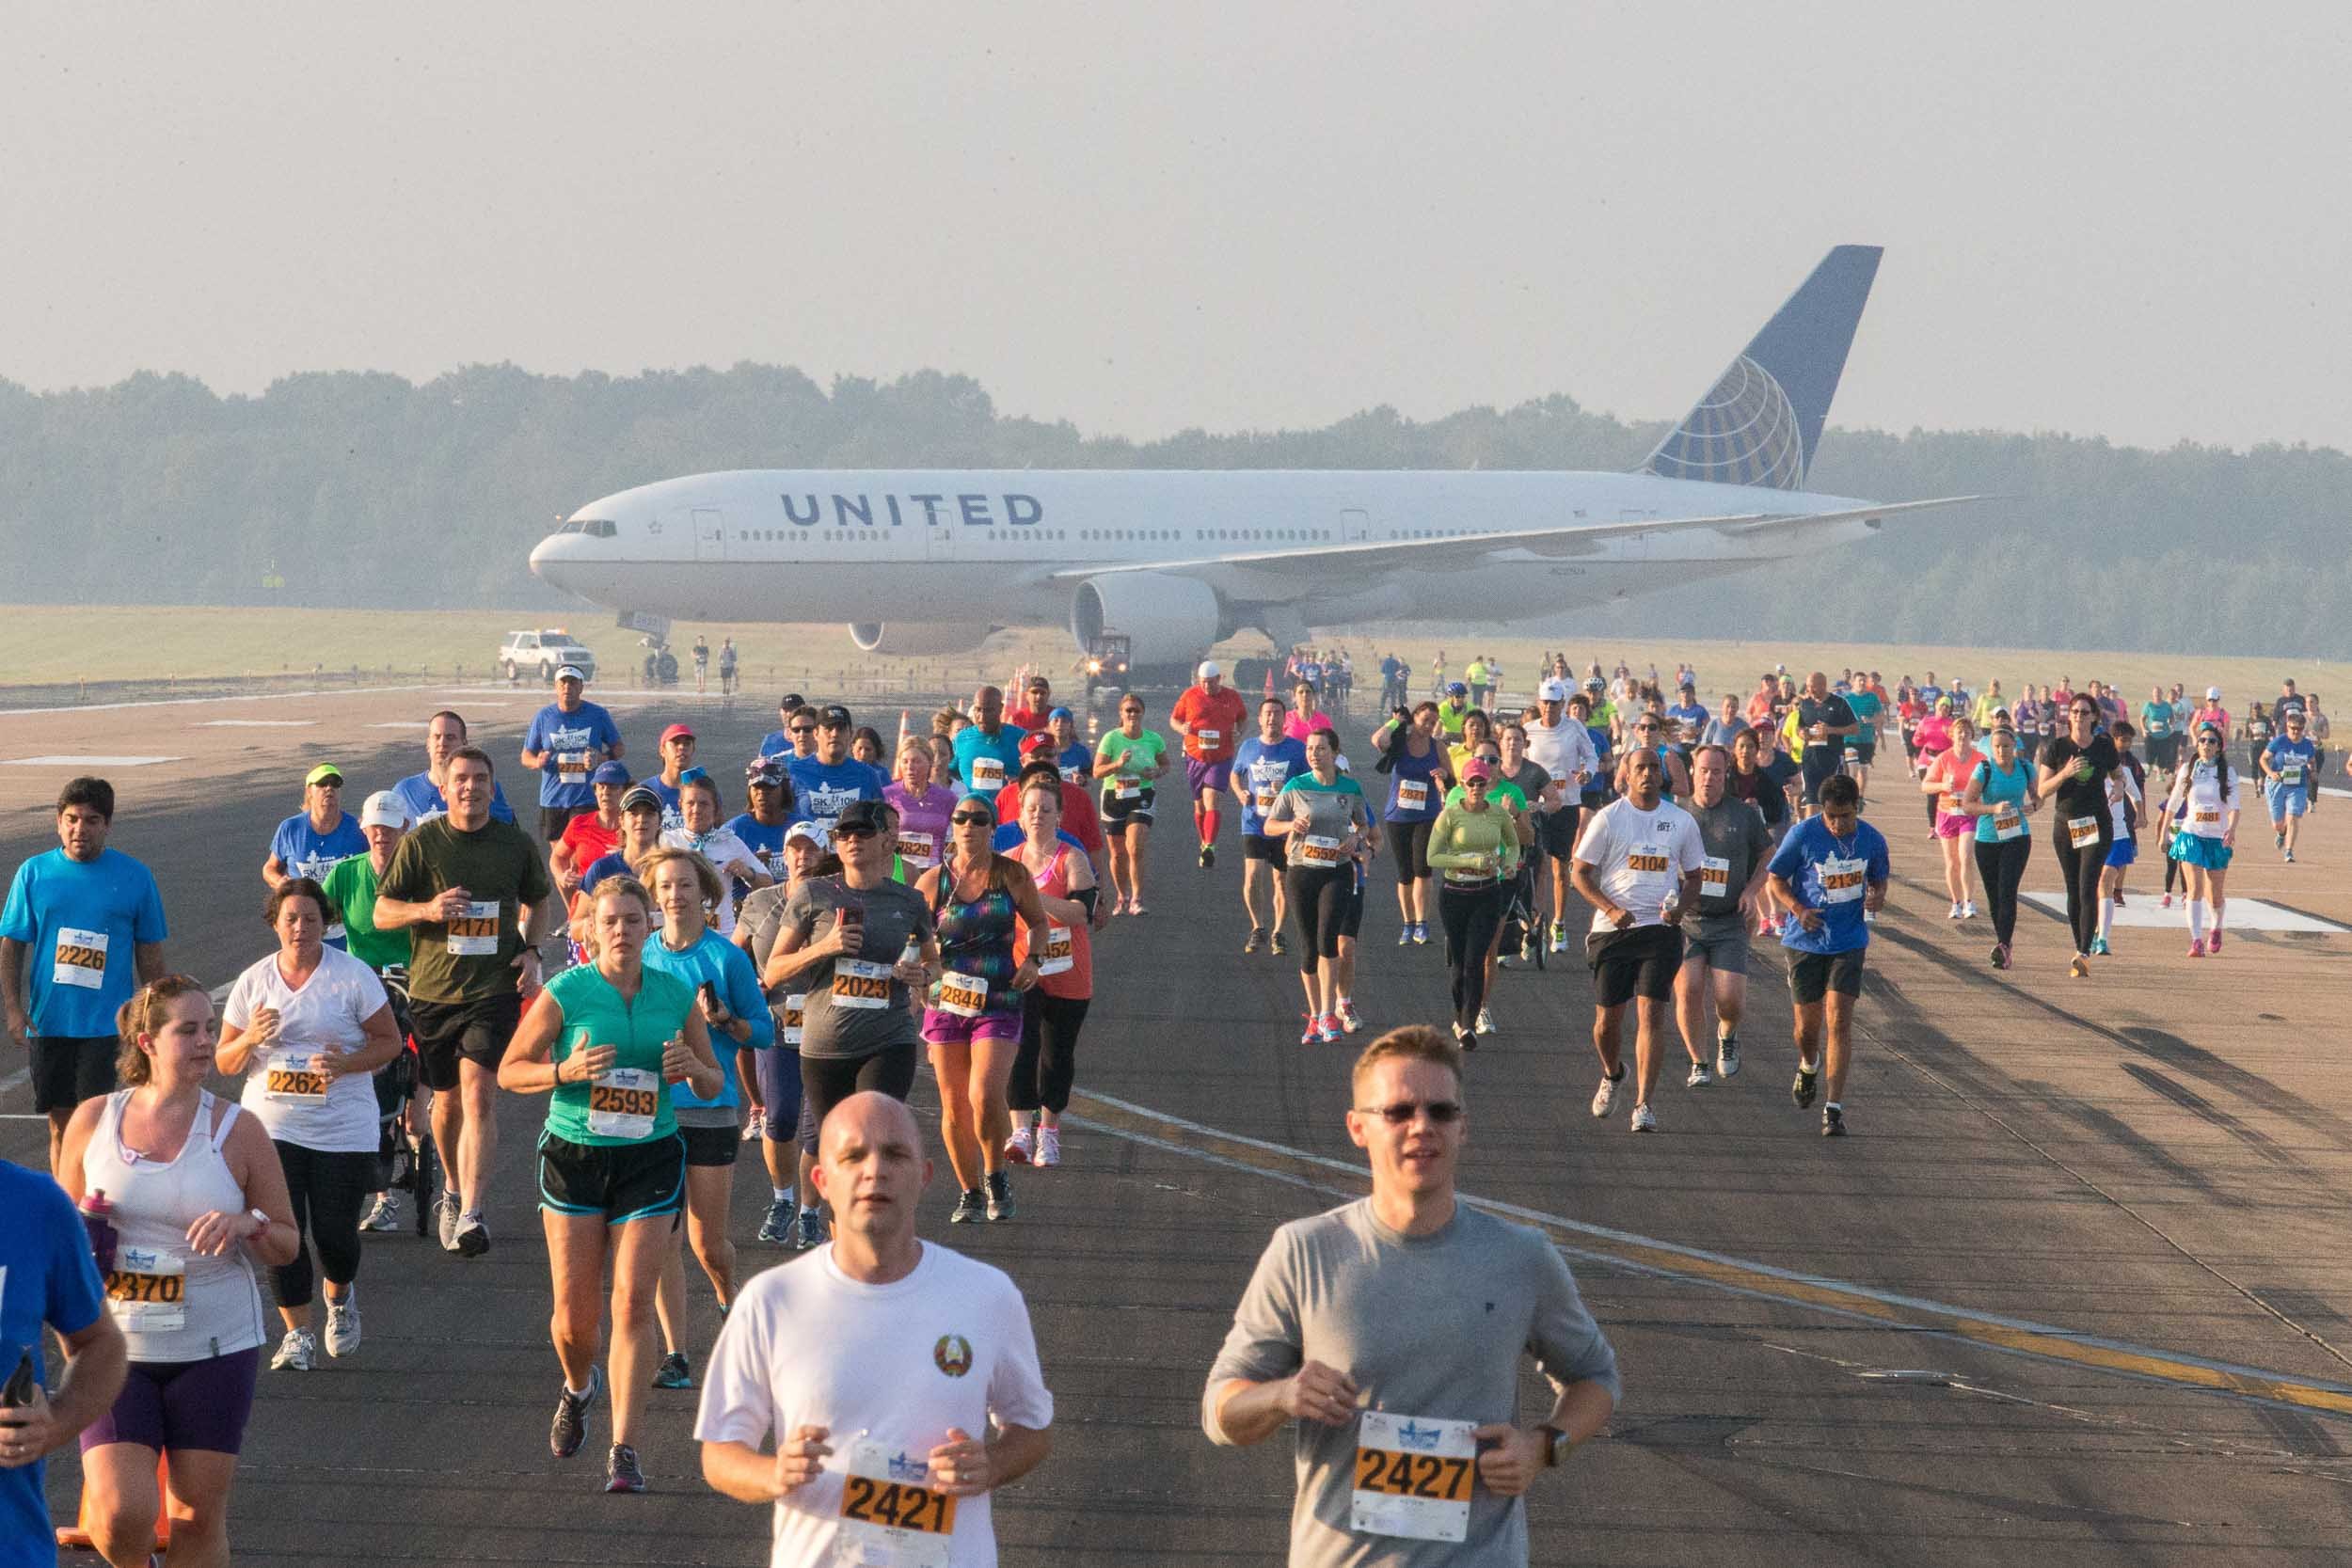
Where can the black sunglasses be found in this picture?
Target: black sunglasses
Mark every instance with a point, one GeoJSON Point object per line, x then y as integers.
{"type": "Point", "coordinates": [804, 729]}
{"type": "Point", "coordinates": [1441, 1112]}
{"type": "Point", "coordinates": [971, 818]}
{"type": "Point", "coordinates": [855, 830]}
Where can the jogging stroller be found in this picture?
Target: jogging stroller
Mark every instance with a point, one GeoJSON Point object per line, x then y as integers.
{"type": "Point", "coordinates": [399, 1167]}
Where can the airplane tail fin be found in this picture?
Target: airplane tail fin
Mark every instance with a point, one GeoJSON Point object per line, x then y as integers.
{"type": "Point", "coordinates": [1760, 422]}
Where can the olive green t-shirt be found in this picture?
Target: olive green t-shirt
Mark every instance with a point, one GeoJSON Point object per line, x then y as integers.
{"type": "Point", "coordinates": [472, 958]}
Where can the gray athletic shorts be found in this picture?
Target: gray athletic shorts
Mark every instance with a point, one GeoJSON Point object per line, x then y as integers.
{"type": "Point", "coordinates": [1721, 939]}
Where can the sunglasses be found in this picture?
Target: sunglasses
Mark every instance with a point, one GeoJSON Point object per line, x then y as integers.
{"type": "Point", "coordinates": [1441, 1112]}
{"type": "Point", "coordinates": [804, 729]}
{"type": "Point", "coordinates": [971, 819]}
{"type": "Point", "coordinates": [846, 833]}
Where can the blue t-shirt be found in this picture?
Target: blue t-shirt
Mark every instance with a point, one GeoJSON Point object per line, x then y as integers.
{"type": "Point", "coordinates": [2003, 788]}
{"type": "Point", "coordinates": [764, 841]}
{"type": "Point", "coordinates": [775, 743]}
{"type": "Point", "coordinates": [1692, 717]}
{"type": "Point", "coordinates": [1077, 763]}
{"type": "Point", "coordinates": [423, 799]}
{"type": "Point", "coordinates": [1866, 708]}
{"type": "Point", "coordinates": [1004, 747]}
{"type": "Point", "coordinates": [556, 732]}
{"type": "Point", "coordinates": [825, 789]}
{"type": "Point", "coordinates": [1420, 772]}
{"type": "Point", "coordinates": [2283, 754]}
{"type": "Point", "coordinates": [1262, 772]}
{"type": "Point", "coordinates": [1831, 876]}
{"type": "Point", "coordinates": [727, 969]}
{"type": "Point", "coordinates": [304, 852]}
{"type": "Point", "coordinates": [48, 1278]}
{"type": "Point", "coordinates": [671, 816]}
{"type": "Point", "coordinates": [1929, 695]}
{"type": "Point", "coordinates": [82, 922]}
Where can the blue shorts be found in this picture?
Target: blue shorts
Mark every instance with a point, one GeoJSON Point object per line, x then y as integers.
{"type": "Point", "coordinates": [2210, 854]}
{"type": "Point", "coordinates": [2123, 852]}
{"type": "Point", "coordinates": [2287, 801]}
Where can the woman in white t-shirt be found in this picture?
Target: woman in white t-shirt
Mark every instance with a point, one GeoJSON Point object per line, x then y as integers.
{"type": "Point", "coordinates": [704, 833]}
{"type": "Point", "coordinates": [308, 1026]}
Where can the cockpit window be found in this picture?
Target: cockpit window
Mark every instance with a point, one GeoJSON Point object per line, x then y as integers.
{"type": "Point", "coordinates": [596, 527]}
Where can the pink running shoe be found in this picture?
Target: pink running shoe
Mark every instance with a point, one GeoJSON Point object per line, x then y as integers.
{"type": "Point", "coordinates": [2213, 943]}
{"type": "Point", "coordinates": [2197, 948]}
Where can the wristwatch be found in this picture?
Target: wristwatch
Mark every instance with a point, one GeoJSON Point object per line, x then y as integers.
{"type": "Point", "coordinates": [1556, 1446]}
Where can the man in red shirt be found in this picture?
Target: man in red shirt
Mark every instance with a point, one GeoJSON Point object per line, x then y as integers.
{"type": "Point", "coordinates": [1032, 713]}
{"type": "Point", "coordinates": [1209, 716]}
{"type": "Point", "coordinates": [1080, 819]}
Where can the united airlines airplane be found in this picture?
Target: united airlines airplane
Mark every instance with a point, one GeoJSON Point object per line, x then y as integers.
{"type": "Point", "coordinates": [931, 561]}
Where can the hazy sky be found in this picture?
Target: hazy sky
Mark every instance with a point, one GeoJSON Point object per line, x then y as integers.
{"type": "Point", "coordinates": [2116, 219]}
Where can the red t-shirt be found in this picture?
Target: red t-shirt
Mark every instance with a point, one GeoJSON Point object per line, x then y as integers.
{"type": "Point", "coordinates": [1079, 817]}
{"type": "Point", "coordinates": [1221, 712]}
{"type": "Point", "coordinates": [589, 840]}
{"type": "Point", "coordinates": [1029, 719]}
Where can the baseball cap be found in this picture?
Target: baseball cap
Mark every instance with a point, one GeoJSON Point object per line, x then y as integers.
{"type": "Point", "coordinates": [1208, 667]}
{"type": "Point", "coordinates": [1040, 744]}
{"type": "Point", "coordinates": [1554, 690]}
{"type": "Point", "coordinates": [610, 773]}
{"type": "Point", "coordinates": [674, 731]}
{"type": "Point", "coordinates": [1943, 702]}
{"type": "Point", "coordinates": [1478, 767]}
{"type": "Point", "coordinates": [835, 717]}
{"type": "Point", "coordinates": [2213, 693]}
{"type": "Point", "coordinates": [383, 809]}
{"type": "Point", "coordinates": [693, 775]}
{"type": "Point", "coordinates": [571, 673]}
{"type": "Point", "coordinates": [807, 829]}
{"type": "Point", "coordinates": [870, 815]}
{"type": "Point", "coordinates": [322, 772]}
{"type": "Point", "coordinates": [764, 770]}
{"type": "Point", "coordinates": [639, 796]}
{"type": "Point", "coordinates": [791, 700]}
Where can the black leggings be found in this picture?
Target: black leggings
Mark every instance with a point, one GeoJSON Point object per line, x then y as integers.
{"type": "Point", "coordinates": [2000, 866]}
{"type": "Point", "coordinates": [1470, 916]}
{"type": "Point", "coordinates": [1318, 900]}
{"type": "Point", "coordinates": [1047, 1062]}
{"type": "Point", "coordinates": [2081, 868]}
{"type": "Point", "coordinates": [329, 1192]}
{"type": "Point", "coordinates": [1409, 846]}
{"type": "Point", "coordinates": [827, 1081]}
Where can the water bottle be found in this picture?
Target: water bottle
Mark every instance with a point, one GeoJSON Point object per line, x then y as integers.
{"type": "Point", "coordinates": [97, 1217]}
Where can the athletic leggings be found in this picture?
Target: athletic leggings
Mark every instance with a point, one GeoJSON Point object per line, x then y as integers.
{"type": "Point", "coordinates": [2081, 868]}
{"type": "Point", "coordinates": [1470, 916]}
{"type": "Point", "coordinates": [329, 1192]}
{"type": "Point", "coordinates": [827, 1081]}
{"type": "Point", "coordinates": [2000, 866]}
{"type": "Point", "coordinates": [1047, 1062]}
{"type": "Point", "coordinates": [1318, 900]}
{"type": "Point", "coordinates": [1408, 844]}
{"type": "Point", "coordinates": [778, 1070]}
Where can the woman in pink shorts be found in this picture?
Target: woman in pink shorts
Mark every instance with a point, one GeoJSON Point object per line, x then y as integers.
{"type": "Point", "coordinates": [1946, 777]}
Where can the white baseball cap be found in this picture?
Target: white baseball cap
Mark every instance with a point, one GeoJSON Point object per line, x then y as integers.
{"type": "Point", "coordinates": [1554, 690]}
{"type": "Point", "coordinates": [1208, 667]}
{"type": "Point", "coordinates": [383, 809]}
{"type": "Point", "coordinates": [571, 673]}
{"type": "Point", "coordinates": [2213, 693]}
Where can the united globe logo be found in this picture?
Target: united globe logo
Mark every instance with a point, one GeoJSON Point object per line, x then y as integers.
{"type": "Point", "coordinates": [1745, 431]}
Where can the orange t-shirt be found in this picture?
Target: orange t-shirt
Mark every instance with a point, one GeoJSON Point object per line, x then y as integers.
{"type": "Point", "coordinates": [1222, 713]}
{"type": "Point", "coordinates": [1950, 772]}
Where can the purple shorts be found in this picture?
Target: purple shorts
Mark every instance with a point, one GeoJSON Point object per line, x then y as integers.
{"type": "Point", "coordinates": [182, 1404]}
{"type": "Point", "coordinates": [955, 1029]}
{"type": "Point", "coordinates": [1208, 777]}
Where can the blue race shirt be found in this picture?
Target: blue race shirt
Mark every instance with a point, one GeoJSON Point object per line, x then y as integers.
{"type": "Point", "coordinates": [1003, 749]}
{"type": "Point", "coordinates": [825, 789]}
{"type": "Point", "coordinates": [1692, 718]}
{"type": "Point", "coordinates": [1999, 788]}
{"type": "Point", "coordinates": [726, 968]}
{"type": "Point", "coordinates": [2291, 757]}
{"type": "Point", "coordinates": [764, 841]}
{"type": "Point", "coordinates": [423, 799]}
{"type": "Point", "coordinates": [1262, 771]}
{"type": "Point", "coordinates": [1867, 708]}
{"type": "Point", "coordinates": [304, 852]}
{"type": "Point", "coordinates": [1831, 876]}
{"type": "Point", "coordinates": [46, 1278]}
{"type": "Point", "coordinates": [1076, 764]}
{"type": "Point", "coordinates": [671, 816]}
{"type": "Point", "coordinates": [567, 738]}
{"type": "Point", "coordinates": [81, 921]}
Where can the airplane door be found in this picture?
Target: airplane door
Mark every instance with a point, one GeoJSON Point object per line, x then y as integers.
{"type": "Point", "coordinates": [940, 545]}
{"type": "Point", "coordinates": [1354, 526]}
{"type": "Point", "coordinates": [710, 535]}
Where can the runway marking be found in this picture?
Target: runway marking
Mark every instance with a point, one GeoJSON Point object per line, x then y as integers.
{"type": "Point", "coordinates": [404, 724]}
{"type": "Point", "coordinates": [189, 702]}
{"type": "Point", "coordinates": [252, 723]}
{"type": "Point", "coordinates": [82, 762]}
{"type": "Point", "coordinates": [2244, 914]}
{"type": "Point", "coordinates": [1627, 1249]}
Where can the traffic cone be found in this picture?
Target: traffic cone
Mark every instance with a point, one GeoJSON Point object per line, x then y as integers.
{"type": "Point", "coordinates": [76, 1536]}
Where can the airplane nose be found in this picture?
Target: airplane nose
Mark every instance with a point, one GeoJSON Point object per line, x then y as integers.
{"type": "Point", "coordinates": [543, 557]}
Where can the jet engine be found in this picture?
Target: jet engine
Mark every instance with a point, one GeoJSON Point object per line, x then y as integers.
{"type": "Point", "coordinates": [1167, 619]}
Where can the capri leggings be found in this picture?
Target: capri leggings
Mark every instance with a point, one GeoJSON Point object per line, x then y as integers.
{"type": "Point", "coordinates": [329, 1192]}
{"type": "Point", "coordinates": [827, 1081]}
{"type": "Point", "coordinates": [1408, 844]}
{"type": "Point", "coordinates": [1047, 1062]}
{"type": "Point", "coordinates": [2000, 866]}
{"type": "Point", "coordinates": [779, 1069]}
{"type": "Point", "coordinates": [1318, 899]}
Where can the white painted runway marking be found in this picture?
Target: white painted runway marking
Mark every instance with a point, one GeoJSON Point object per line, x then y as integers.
{"type": "Point", "coordinates": [2338, 794]}
{"type": "Point", "coordinates": [193, 701]}
{"type": "Point", "coordinates": [403, 724]}
{"type": "Point", "coordinates": [252, 723]}
{"type": "Point", "coordinates": [2244, 914]}
{"type": "Point", "coordinates": [82, 762]}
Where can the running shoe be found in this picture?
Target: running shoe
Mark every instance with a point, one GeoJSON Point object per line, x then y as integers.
{"type": "Point", "coordinates": [1644, 1120]}
{"type": "Point", "coordinates": [2099, 947]}
{"type": "Point", "coordinates": [808, 1230]}
{"type": "Point", "coordinates": [451, 1209]}
{"type": "Point", "coordinates": [1465, 1040]}
{"type": "Point", "coordinates": [2279, 841]}
{"type": "Point", "coordinates": [297, 1353]}
{"type": "Point", "coordinates": [999, 1197]}
{"type": "Point", "coordinates": [1405, 934]}
{"type": "Point", "coordinates": [1954, 914]}
{"type": "Point", "coordinates": [1311, 1035]}
{"type": "Point", "coordinates": [2080, 967]}
{"type": "Point", "coordinates": [1049, 1146]}
{"type": "Point", "coordinates": [971, 1208]}
{"type": "Point", "coordinates": [2197, 948]}
{"type": "Point", "coordinates": [1254, 940]}
{"type": "Point", "coordinates": [2290, 854]}
{"type": "Point", "coordinates": [1833, 1122]}
{"type": "Point", "coordinates": [473, 1237]}
{"type": "Point", "coordinates": [778, 1227]}
{"type": "Point", "coordinates": [1421, 933]}
{"type": "Point", "coordinates": [621, 1471]}
{"type": "Point", "coordinates": [1807, 1085]}
{"type": "Point", "coordinates": [1277, 945]}
{"type": "Point", "coordinates": [1727, 1057]}
{"type": "Point", "coordinates": [1134, 906]}
{"type": "Point", "coordinates": [1328, 1029]}
{"type": "Point", "coordinates": [1022, 1143]}
{"type": "Point", "coordinates": [1558, 936]}
{"type": "Point", "coordinates": [1605, 1096]}
{"type": "Point", "coordinates": [343, 1327]}
{"type": "Point", "coordinates": [674, 1372]}
{"type": "Point", "coordinates": [384, 1215]}
{"type": "Point", "coordinates": [571, 1416]}
{"type": "Point", "coordinates": [1699, 1077]}
{"type": "Point", "coordinates": [1505, 961]}
{"type": "Point", "coordinates": [2213, 943]}
{"type": "Point", "coordinates": [2168, 902]}
{"type": "Point", "coordinates": [1485, 1021]}
{"type": "Point", "coordinates": [755, 1127]}
{"type": "Point", "coordinates": [1208, 856]}
{"type": "Point", "coordinates": [1968, 909]}
{"type": "Point", "coordinates": [2000, 955]}
{"type": "Point", "coordinates": [2119, 898]}
{"type": "Point", "coordinates": [1349, 1022]}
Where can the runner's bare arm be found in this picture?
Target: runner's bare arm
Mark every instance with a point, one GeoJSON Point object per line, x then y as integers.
{"type": "Point", "coordinates": [147, 961]}
{"type": "Point", "coordinates": [12, 987]}
{"type": "Point", "coordinates": [1249, 1413]}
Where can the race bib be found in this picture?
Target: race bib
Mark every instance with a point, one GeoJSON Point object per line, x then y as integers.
{"type": "Point", "coordinates": [81, 958]}
{"type": "Point", "coordinates": [1318, 851]}
{"type": "Point", "coordinates": [2082, 832]}
{"type": "Point", "coordinates": [571, 767]}
{"type": "Point", "coordinates": [2008, 821]}
{"type": "Point", "coordinates": [1412, 794]}
{"type": "Point", "coordinates": [475, 933]}
{"type": "Point", "coordinates": [1262, 801]}
{"type": "Point", "coordinates": [1413, 1477]}
{"type": "Point", "coordinates": [1127, 789]}
{"type": "Point", "coordinates": [290, 1080]}
{"type": "Point", "coordinates": [1842, 880]}
{"type": "Point", "coordinates": [1208, 738]}
{"type": "Point", "coordinates": [621, 1101]}
{"type": "Point", "coordinates": [2204, 817]}
{"type": "Point", "coordinates": [1074, 776]}
{"type": "Point", "coordinates": [890, 1516]}
{"type": "Point", "coordinates": [1715, 876]}
{"type": "Point", "coordinates": [795, 1016]}
{"type": "Point", "coordinates": [1059, 958]}
{"type": "Point", "coordinates": [964, 995]}
{"type": "Point", "coordinates": [2291, 773]}
{"type": "Point", "coordinates": [919, 848]}
{"type": "Point", "coordinates": [988, 773]}
{"type": "Point", "coordinates": [147, 1291]}
{"type": "Point", "coordinates": [1648, 859]}
{"type": "Point", "coordinates": [860, 983]}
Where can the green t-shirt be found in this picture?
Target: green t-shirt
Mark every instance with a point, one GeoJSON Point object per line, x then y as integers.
{"type": "Point", "coordinates": [1138, 755]}
{"type": "Point", "coordinates": [1501, 792]}
{"type": "Point", "coordinates": [2155, 719]}
{"type": "Point", "coordinates": [472, 958]}
{"type": "Point", "coordinates": [1451, 718]}
{"type": "Point", "coordinates": [350, 885]}
{"type": "Point", "coordinates": [629, 1102]}
{"type": "Point", "coordinates": [1867, 706]}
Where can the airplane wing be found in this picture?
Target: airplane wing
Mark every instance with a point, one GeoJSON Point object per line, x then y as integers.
{"type": "Point", "coordinates": [1470, 549]}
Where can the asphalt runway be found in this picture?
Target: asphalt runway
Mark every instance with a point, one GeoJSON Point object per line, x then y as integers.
{"type": "Point", "coordinates": [2075, 1290]}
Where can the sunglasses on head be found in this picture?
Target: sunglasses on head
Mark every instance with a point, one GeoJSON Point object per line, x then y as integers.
{"type": "Point", "coordinates": [971, 818]}
{"type": "Point", "coordinates": [1441, 1112]}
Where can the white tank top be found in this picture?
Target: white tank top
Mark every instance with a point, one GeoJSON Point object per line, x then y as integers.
{"type": "Point", "coordinates": [171, 1304]}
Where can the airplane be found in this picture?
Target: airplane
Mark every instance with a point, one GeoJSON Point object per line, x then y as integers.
{"type": "Point", "coordinates": [929, 561]}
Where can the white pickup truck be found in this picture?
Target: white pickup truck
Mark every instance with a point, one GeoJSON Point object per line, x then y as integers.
{"type": "Point", "coordinates": [541, 653]}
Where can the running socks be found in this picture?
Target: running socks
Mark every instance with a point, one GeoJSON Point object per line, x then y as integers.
{"type": "Point", "coordinates": [1206, 821]}
{"type": "Point", "coordinates": [2218, 905]}
{"type": "Point", "coordinates": [2197, 919]}
{"type": "Point", "coordinates": [784, 1195]}
{"type": "Point", "coordinates": [2106, 918]}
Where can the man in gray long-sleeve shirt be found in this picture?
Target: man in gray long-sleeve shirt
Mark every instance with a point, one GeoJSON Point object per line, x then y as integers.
{"type": "Point", "coordinates": [1388, 1333]}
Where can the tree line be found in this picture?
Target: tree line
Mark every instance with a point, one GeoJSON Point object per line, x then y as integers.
{"type": "Point", "coordinates": [366, 490]}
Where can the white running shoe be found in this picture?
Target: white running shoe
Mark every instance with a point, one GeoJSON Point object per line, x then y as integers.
{"type": "Point", "coordinates": [755, 1127]}
{"type": "Point", "coordinates": [297, 1353]}
{"type": "Point", "coordinates": [342, 1326]}
{"type": "Point", "coordinates": [1049, 1146]}
{"type": "Point", "coordinates": [1644, 1120]}
{"type": "Point", "coordinates": [1955, 913]}
{"type": "Point", "coordinates": [1022, 1147]}
{"type": "Point", "coordinates": [1699, 1077]}
{"type": "Point", "coordinates": [1967, 909]}
{"type": "Point", "coordinates": [1605, 1096]}
{"type": "Point", "coordinates": [1485, 1021]}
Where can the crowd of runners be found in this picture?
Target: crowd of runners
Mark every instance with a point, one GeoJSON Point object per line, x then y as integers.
{"type": "Point", "coordinates": [683, 968]}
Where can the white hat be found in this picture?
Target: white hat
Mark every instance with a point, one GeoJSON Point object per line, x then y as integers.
{"type": "Point", "coordinates": [2213, 693]}
{"type": "Point", "coordinates": [1208, 667]}
{"type": "Point", "coordinates": [571, 673]}
{"type": "Point", "coordinates": [383, 809]}
{"type": "Point", "coordinates": [1554, 690]}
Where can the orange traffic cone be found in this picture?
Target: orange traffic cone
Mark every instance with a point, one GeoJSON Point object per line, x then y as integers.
{"type": "Point", "coordinates": [77, 1537]}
